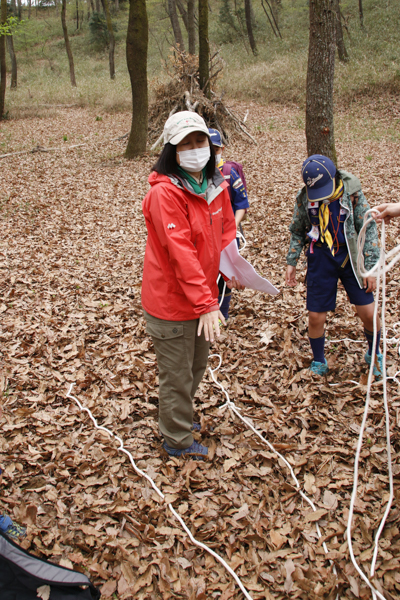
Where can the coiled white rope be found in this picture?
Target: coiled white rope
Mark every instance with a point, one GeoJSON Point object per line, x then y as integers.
{"type": "Point", "coordinates": [379, 271]}
{"type": "Point", "coordinates": [231, 405]}
{"type": "Point", "coordinates": [161, 495]}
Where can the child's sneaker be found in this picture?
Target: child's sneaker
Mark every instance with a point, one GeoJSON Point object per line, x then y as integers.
{"type": "Point", "coordinates": [12, 530]}
{"type": "Point", "coordinates": [319, 368]}
{"type": "Point", "coordinates": [378, 365]}
{"type": "Point", "coordinates": [196, 450]}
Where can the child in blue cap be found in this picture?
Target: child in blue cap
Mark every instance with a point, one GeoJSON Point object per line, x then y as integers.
{"type": "Point", "coordinates": [329, 213]}
{"type": "Point", "coordinates": [239, 201]}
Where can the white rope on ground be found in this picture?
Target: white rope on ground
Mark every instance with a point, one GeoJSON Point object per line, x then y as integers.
{"type": "Point", "coordinates": [379, 271]}
{"type": "Point", "coordinates": [161, 495]}
{"type": "Point", "coordinates": [236, 411]}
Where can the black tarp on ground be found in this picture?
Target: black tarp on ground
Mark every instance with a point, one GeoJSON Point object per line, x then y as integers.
{"type": "Point", "coordinates": [21, 574]}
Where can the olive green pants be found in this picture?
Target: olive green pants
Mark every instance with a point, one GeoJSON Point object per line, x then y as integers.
{"type": "Point", "coordinates": [182, 359]}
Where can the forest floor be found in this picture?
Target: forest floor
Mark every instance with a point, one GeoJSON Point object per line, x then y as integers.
{"type": "Point", "coordinates": [71, 252]}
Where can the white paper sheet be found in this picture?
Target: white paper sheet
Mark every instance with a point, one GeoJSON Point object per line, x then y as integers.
{"type": "Point", "coordinates": [234, 265]}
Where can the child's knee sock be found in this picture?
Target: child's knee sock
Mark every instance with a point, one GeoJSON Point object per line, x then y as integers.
{"type": "Point", "coordinates": [370, 337]}
{"type": "Point", "coordinates": [224, 308]}
{"type": "Point", "coordinates": [318, 347]}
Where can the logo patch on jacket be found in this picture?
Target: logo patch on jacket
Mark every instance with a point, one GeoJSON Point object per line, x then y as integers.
{"type": "Point", "coordinates": [237, 183]}
{"type": "Point", "coordinates": [217, 211]}
{"type": "Point", "coordinates": [171, 226]}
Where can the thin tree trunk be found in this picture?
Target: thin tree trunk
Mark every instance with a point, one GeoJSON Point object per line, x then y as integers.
{"type": "Point", "coordinates": [342, 52]}
{"type": "Point", "coordinates": [361, 13]}
{"type": "Point", "coordinates": [20, 10]}
{"type": "Point", "coordinates": [320, 74]}
{"type": "Point", "coordinates": [111, 50]}
{"type": "Point", "coordinates": [191, 28]}
{"type": "Point", "coordinates": [77, 14]}
{"type": "Point", "coordinates": [183, 13]}
{"type": "Point", "coordinates": [13, 58]}
{"type": "Point", "coordinates": [3, 66]}
{"type": "Point", "coordinates": [116, 5]}
{"type": "Point", "coordinates": [67, 44]}
{"type": "Point", "coordinates": [173, 15]}
{"type": "Point", "coordinates": [204, 48]}
{"type": "Point", "coordinates": [29, 8]}
{"type": "Point", "coordinates": [249, 25]}
{"type": "Point", "coordinates": [98, 7]}
{"type": "Point", "coordinates": [137, 41]}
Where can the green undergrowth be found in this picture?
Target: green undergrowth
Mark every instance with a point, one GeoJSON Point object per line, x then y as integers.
{"type": "Point", "coordinates": [276, 74]}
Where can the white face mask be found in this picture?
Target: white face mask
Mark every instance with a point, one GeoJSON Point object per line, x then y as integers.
{"type": "Point", "coordinates": [193, 161]}
{"type": "Point", "coordinates": [217, 159]}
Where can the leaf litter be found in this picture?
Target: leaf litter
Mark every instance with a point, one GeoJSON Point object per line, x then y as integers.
{"type": "Point", "coordinates": [73, 241]}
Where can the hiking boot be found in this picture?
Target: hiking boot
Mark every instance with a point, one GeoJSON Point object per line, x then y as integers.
{"type": "Point", "coordinates": [319, 368]}
{"type": "Point", "coordinates": [12, 530]}
{"type": "Point", "coordinates": [196, 450]}
{"type": "Point", "coordinates": [378, 364]}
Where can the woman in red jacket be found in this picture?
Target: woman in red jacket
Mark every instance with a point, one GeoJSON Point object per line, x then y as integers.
{"type": "Point", "coordinates": [189, 220]}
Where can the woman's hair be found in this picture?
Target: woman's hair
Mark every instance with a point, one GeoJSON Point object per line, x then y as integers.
{"type": "Point", "coordinates": [167, 165]}
{"type": "Point", "coordinates": [338, 179]}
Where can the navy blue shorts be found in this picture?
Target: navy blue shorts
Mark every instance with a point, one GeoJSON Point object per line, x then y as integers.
{"type": "Point", "coordinates": [324, 271]}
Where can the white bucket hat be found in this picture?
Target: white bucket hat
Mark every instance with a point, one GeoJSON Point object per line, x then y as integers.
{"type": "Point", "coordinates": [179, 125]}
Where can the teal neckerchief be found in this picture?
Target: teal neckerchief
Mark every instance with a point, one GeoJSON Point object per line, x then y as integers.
{"type": "Point", "coordinates": [199, 189]}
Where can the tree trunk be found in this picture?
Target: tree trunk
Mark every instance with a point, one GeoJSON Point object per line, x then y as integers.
{"type": "Point", "coordinates": [3, 66]}
{"type": "Point", "coordinates": [360, 12]}
{"type": "Point", "coordinates": [183, 13]}
{"type": "Point", "coordinates": [67, 44]}
{"type": "Point", "coordinates": [13, 58]}
{"type": "Point", "coordinates": [191, 28]}
{"type": "Point", "coordinates": [111, 50]}
{"type": "Point", "coordinates": [116, 5]}
{"type": "Point", "coordinates": [13, 7]}
{"type": "Point", "coordinates": [98, 7]}
{"type": "Point", "coordinates": [249, 25]}
{"type": "Point", "coordinates": [276, 6]}
{"type": "Point", "coordinates": [29, 8]}
{"type": "Point", "coordinates": [20, 10]}
{"type": "Point", "coordinates": [320, 74]}
{"type": "Point", "coordinates": [173, 15]}
{"type": "Point", "coordinates": [342, 52]}
{"type": "Point", "coordinates": [204, 48]}
{"type": "Point", "coordinates": [77, 14]}
{"type": "Point", "coordinates": [137, 41]}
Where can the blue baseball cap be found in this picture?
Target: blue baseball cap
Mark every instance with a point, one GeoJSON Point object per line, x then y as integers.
{"type": "Point", "coordinates": [215, 137]}
{"type": "Point", "coordinates": [318, 174]}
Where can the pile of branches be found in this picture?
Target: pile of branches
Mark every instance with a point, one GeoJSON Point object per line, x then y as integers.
{"type": "Point", "coordinates": [183, 92]}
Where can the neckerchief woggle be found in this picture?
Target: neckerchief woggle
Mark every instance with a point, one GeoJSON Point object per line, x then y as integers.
{"type": "Point", "coordinates": [319, 218]}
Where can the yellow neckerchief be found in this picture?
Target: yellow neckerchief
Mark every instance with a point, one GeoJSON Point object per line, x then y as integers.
{"type": "Point", "coordinates": [324, 218]}
{"type": "Point", "coordinates": [221, 163]}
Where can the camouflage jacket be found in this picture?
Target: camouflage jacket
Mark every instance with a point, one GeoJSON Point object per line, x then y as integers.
{"type": "Point", "coordinates": [355, 209]}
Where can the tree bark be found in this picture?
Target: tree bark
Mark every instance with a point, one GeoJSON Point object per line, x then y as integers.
{"type": "Point", "coordinates": [249, 25]}
{"type": "Point", "coordinates": [173, 15]}
{"type": "Point", "coordinates": [77, 14]}
{"type": "Point", "coordinates": [191, 28]}
{"type": "Point", "coordinates": [204, 48]}
{"type": "Point", "coordinates": [137, 41]}
{"type": "Point", "coordinates": [13, 58]}
{"type": "Point", "coordinates": [67, 44]}
{"type": "Point", "coordinates": [98, 7]}
{"type": "Point", "coordinates": [116, 5]}
{"type": "Point", "coordinates": [320, 74]}
{"type": "Point", "coordinates": [20, 10]}
{"type": "Point", "coordinates": [111, 50]}
{"type": "Point", "coordinates": [29, 8]}
{"type": "Point", "coordinates": [342, 52]}
{"type": "Point", "coordinates": [3, 66]}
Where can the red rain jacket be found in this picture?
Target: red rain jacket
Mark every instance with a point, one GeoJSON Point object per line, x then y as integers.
{"type": "Point", "coordinates": [186, 234]}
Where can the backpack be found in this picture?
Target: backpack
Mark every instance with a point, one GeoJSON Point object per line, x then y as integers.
{"type": "Point", "coordinates": [22, 574]}
{"type": "Point", "coordinates": [226, 171]}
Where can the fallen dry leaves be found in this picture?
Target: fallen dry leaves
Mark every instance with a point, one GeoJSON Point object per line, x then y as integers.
{"type": "Point", "coordinates": [72, 247]}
